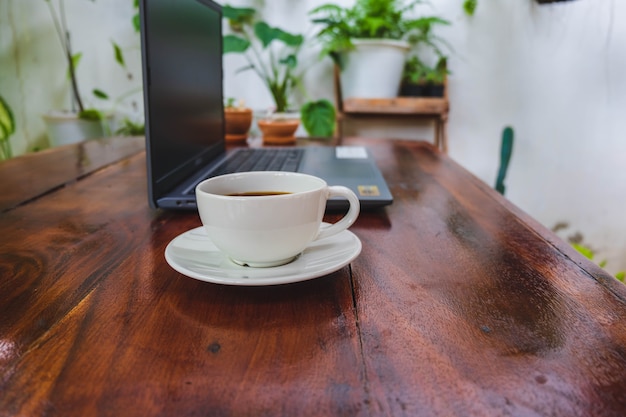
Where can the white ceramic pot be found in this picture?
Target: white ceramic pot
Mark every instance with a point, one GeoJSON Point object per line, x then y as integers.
{"type": "Point", "coordinates": [373, 69]}
{"type": "Point", "coordinates": [65, 127]}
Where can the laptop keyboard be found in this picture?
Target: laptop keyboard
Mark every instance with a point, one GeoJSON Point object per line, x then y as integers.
{"type": "Point", "coordinates": [261, 160]}
{"type": "Point", "coordinates": [265, 159]}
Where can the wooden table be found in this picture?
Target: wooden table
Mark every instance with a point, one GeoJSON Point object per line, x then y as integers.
{"type": "Point", "coordinates": [459, 305]}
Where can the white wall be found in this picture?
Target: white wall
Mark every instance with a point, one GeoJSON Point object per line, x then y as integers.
{"type": "Point", "coordinates": [556, 73]}
{"type": "Point", "coordinates": [33, 73]}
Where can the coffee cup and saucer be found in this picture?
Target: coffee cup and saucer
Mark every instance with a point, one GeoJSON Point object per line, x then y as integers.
{"type": "Point", "coordinates": [265, 228]}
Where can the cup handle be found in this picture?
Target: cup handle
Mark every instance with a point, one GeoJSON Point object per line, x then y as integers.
{"type": "Point", "coordinates": [347, 220]}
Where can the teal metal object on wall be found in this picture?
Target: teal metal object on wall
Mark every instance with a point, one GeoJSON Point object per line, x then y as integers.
{"type": "Point", "coordinates": [506, 150]}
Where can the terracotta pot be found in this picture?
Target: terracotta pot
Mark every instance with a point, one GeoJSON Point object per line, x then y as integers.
{"type": "Point", "coordinates": [279, 131]}
{"type": "Point", "coordinates": [237, 124]}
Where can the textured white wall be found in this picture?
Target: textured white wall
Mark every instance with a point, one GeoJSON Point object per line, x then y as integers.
{"type": "Point", "coordinates": [33, 74]}
{"type": "Point", "coordinates": [553, 72]}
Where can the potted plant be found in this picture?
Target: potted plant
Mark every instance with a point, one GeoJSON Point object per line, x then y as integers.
{"type": "Point", "coordinates": [420, 80]}
{"type": "Point", "coordinates": [7, 128]}
{"type": "Point", "coordinates": [238, 119]}
{"type": "Point", "coordinates": [414, 78]}
{"type": "Point", "coordinates": [80, 122]}
{"type": "Point", "coordinates": [436, 78]}
{"type": "Point", "coordinates": [370, 41]}
{"type": "Point", "coordinates": [272, 54]}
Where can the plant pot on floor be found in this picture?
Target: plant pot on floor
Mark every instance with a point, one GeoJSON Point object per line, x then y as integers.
{"type": "Point", "coordinates": [65, 127]}
{"type": "Point", "coordinates": [373, 69]}
{"type": "Point", "coordinates": [279, 131]}
{"type": "Point", "coordinates": [237, 123]}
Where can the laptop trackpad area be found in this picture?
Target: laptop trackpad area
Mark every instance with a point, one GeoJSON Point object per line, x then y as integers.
{"type": "Point", "coordinates": [337, 166]}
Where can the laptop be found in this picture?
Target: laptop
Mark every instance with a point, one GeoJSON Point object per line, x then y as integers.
{"type": "Point", "coordinates": [181, 42]}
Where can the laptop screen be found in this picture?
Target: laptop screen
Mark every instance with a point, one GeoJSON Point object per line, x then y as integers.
{"type": "Point", "coordinates": [183, 103]}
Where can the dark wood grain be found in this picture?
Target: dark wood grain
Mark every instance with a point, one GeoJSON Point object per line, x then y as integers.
{"type": "Point", "coordinates": [459, 305]}
{"type": "Point", "coordinates": [466, 308]}
{"type": "Point", "coordinates": [35, 174]}
{"type": "Point", "coordinates": [94, 322]}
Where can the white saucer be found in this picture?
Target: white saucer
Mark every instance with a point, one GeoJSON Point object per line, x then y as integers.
{"type": "Point", "coordinates": [194, 255]}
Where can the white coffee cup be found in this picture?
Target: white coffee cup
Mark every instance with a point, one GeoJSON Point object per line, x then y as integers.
{"type": "Point", "coordinates": [270, 229]}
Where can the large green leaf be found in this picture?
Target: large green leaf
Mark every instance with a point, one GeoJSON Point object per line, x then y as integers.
{"type": "Point", "coordinates": [318, 118]}
{"type": "Point", "coordinates": [3, 134]}
{"type": "Point", "coordinates": [267, 34]}
{"type": "Point", "coordinates": [232, 43]}
{"type": "Point", "coordinates": [7, 122]}
{"type": "Point", "coordinates": [238, 17]}
{"type": "Point", "coordinates": [238, 14]}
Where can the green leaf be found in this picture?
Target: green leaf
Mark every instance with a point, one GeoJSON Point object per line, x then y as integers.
{"type": "Point", "coordinates": [90, 114]}
{"type": "Point", "coordinates": [290, 61]}
{"type": "Point", "coordinates": [137, 23]}
{"type": "Point", "coordinates": [318, 118]}
{"type": "Point", "coordinates": [238, 14]}
{"type": "Point", "coordinates": [232, 43]}
{"type": "Point", "coordinates": [119, 56]}
{"type": "Point", "coordinates": [620, 276]}
{"type": "Point", "coordinates": [267, 34]}
{"type": "Point", "coordinates": [75, 61]}
{"type": "Point", "coordinates": [585, 251]}
{"type": "Point", "coordinates": [5, 147]}
{"type": "Point", "coordinates": [470, 7]}
{"type": "Point", "coordinates": [131, 128]}
{"type": "Point", "coordinates": [7, 122]}
{"type": "Point", "coordinates": [3, 133]}
{"type": "Point", "coordinates": [100, 94]}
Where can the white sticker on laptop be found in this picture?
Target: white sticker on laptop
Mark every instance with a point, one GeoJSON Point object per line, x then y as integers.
{"type": "Point", "coordinates": [350, 152]}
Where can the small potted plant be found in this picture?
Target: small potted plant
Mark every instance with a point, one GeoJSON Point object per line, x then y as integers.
{"type": "Point", "coordinates": [238, 119]}
{"type": "Point", "coordinates": [413, 78]}
{"type": "Point", "coordinates": [370, 41]}
{"type": "Point", "coordinates": [272, 54]}
{"type": "Point", "coordinates": [420, 80]}
{"type": "Point", "coordinates": [80, 122]}
{"type": "Point", "coordinates": [436, 78]}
